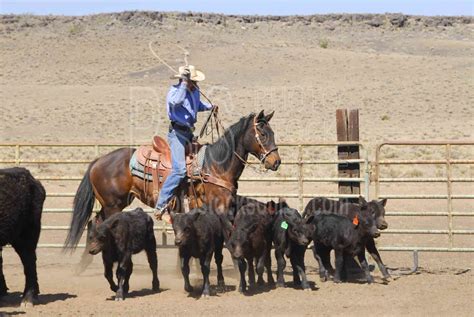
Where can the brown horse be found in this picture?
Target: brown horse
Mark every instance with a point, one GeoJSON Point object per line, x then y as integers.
{"type": "Point", "coordinates": [109, 179]}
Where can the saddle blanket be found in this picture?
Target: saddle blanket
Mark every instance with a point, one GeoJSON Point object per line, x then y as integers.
{"type": "Point", "coordinates": [138, 169]}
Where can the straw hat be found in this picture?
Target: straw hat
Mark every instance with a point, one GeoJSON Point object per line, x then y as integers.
{"type": "Point", "coordinates": [196, 75]}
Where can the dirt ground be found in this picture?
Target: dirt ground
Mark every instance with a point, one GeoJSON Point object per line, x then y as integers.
{"type": "Point", "coordinates": [93, 79]}
{"type": "Point", "coordinates": [441, 288]}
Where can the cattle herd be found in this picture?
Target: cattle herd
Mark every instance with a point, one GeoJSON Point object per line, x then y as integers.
{"type": "Point", "coordinates": [347, 228]}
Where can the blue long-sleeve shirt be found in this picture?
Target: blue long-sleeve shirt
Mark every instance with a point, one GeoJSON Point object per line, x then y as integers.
{"type": "Point", "coordinates": [183, 105]}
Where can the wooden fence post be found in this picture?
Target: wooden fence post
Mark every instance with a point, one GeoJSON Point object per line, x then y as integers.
{"type": "Point", "coordinates": [348, 130]}
{"type": "Point", "coordinates": [347, 123]}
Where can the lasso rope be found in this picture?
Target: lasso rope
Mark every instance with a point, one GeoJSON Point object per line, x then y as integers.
{"type": "Point", "coordinates": [213, 115]}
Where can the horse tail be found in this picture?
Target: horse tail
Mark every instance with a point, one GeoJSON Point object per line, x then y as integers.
{"type": "Point", "coordinates": [82, 210]}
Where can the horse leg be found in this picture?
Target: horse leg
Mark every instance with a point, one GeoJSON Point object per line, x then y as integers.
{"type": "Point", "coordinates": [3, 284]}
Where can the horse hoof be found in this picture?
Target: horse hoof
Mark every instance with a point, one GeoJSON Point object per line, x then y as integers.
{"type": "Point", "coordinates": [307, 289]}
{"type": "Point", "coordinates": [118, 299]}
{"type": "Point", "coordinates": [205, 296]}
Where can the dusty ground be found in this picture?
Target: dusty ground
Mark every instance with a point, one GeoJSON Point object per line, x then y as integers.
{"type": "Point", "coordinates": [438, 291]}
{"type": "Point", "coordinates": [93, 79]}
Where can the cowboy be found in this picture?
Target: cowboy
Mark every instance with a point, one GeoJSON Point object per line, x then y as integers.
{"type": "Point", "coordinates": [183, 103]}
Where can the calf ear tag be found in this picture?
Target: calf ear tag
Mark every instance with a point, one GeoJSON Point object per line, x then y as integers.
{"type": "Point", "coordinates": [284, 225]}
{"type": "Point", "coordinates": [355, 221]}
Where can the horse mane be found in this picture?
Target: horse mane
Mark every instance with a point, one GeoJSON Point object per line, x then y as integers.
{"type": "Point", "coordinates": [221, 151]}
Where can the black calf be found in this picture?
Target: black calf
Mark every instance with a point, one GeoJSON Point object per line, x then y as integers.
{"type": "Point", "coordinates": [120, 236]}
{"type": "Point", "coordinates": [21, 206]}
{"type": "Point", "coordinates": [199, 234]}
{"type": "Point", "coordinates": [290, 238]}
{"type": "Point", "coordinates": [345, 237]}
{"type": "Point", "coordinates": [376, 210]}
{"type": "Point", "coordinates": [251, 240]}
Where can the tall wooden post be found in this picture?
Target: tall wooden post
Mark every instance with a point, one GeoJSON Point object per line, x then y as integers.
{"type": "Point", "coordinates": [348, 130]}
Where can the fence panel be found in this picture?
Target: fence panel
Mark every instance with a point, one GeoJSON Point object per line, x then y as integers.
{"type": "Point", "coordinates": [60, 167]}
{"type": "Point", "coordinates": [408, 191]}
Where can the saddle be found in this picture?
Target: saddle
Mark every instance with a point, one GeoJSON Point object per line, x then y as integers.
{"type": "Point", "coordinates": [156, 160]}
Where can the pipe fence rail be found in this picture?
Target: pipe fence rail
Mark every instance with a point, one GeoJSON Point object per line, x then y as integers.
{"type": "Point", "coordinates": [448, 162]}
{"type": "Point", "coordinates": [20, 155]}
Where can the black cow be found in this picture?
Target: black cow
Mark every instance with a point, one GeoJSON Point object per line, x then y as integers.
{"type": "Point", "coordinates": [290, 238]}
{"type": "Point", "coordinates": [376, 210]}
{"type": "Point", "coordinates": [199, 234]}
{"type": "Point", "coordinates": [251, 240]}
{"type": "Point", "coordinates": [120, 236]}
{"type": "Point", "coordinates": [21, 206]}
{"type": "Point", "coordinates": [344, 236]}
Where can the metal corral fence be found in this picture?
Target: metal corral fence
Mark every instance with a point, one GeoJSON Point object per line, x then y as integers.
{"type": "Point", "coordinates": [446, 160]}
{"type": "Point", "coordinates": [23, 155]}
{"type": "Point", "coordinates": [18, 155]}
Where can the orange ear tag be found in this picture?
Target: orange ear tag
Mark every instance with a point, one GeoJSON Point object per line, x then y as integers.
{"type": "Point", "coordinates": [355, 221]}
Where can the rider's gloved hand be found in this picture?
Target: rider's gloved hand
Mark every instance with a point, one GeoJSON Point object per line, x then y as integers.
{"type": "Point", "coordinates": [186, 74]}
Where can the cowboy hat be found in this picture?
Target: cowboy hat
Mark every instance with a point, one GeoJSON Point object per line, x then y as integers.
{"type": "Point", "coordinates": [196, 75]}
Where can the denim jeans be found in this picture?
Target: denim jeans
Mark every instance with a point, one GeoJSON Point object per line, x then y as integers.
{"type": "Point", "coordinates": [177, 141]}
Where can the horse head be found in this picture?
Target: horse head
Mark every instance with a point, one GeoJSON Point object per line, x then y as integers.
{"type": "Point", "coordinates": [262, 141]}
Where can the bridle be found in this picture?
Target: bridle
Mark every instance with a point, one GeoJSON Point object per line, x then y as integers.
{"type": "Point", "coordinates": [262, 156]}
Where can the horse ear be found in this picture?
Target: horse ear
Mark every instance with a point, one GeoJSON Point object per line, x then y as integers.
{"type": "Point", "coordinates": [260, 117]}
{"type": "Point", "coordinates": [269, 116]}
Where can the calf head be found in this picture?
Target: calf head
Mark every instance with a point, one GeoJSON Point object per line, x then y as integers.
{"type": "Point", "coordinates": [98, 236]}
{"type": "Point", "coordinates": [183, 226]}
{"type": "Point", "coordinates": [366, 220]}
{"type": "Point", "coordinates": [297, 230]}
{"type": "Point", "coordinates": [273, 207]}
{"type": "Point", "coordinates": [377, 209]}
{"type": "Point", "coordinates": [239, 240]}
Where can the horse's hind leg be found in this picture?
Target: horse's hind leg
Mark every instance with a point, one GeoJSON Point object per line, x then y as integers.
{"type": "Point", "coordinates": [3, 284]}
